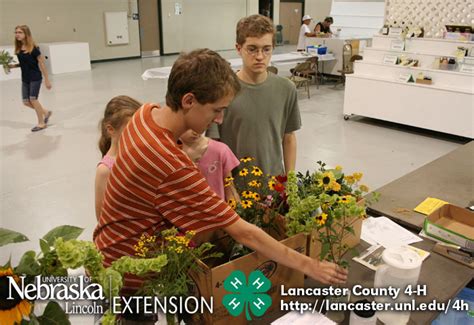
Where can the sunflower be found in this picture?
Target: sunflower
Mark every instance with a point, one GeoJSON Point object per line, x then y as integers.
{"type": "Point", "coordinates": [345, 199]}
{"type": "Point", "coordinates": [232, 203]}
{"type": "Point", "coordinates": [228, 181]}
{"type": "Point", "coordinates": [256, 197]}
{"type": "Point", "coordinates": [321, 219]}
{"type": "Point", "coordinates": [244, 172]}
{"type": "Point", "coordinates": [257, 171]}
{"type": "Point", "coordinates": [349, 179]}
{"type": "Point", "coordinates": [11, 311]}
{"type": "Point", "coordinates": [327, 180]}
{"type": "Point", "coordinates": [247, 194]}
{"type": "Point", "coordinates": [246, 204]}
{"type": "Point", "coordinates": [255, 183]}
{"type": "Point", "coordinates": [246, 159]}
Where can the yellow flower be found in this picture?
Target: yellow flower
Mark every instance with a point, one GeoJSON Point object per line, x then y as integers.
{"type": "Point", "coordinates": [336, 187]}
{"type": "Point", "coordinates": [246, 159]}
{"type": "Point", "coordinates": [246, 204]}
{"type": "Point", "coordinates": [247, 194]}
{"type": "Point", "coordinates": [14, 310]}
{"type": "Point", "coordinates": [244, 172]}
{"type": "Point", "coordinates": [338, 168]}
{"type": "Point", "coordinates": [228, 181]}
{"type": "Point", "coordinates": [191, 233]}
{"type": "Point", "coordinates": [256, 197]}
{"type": "Point", "coordinates": [255, 183]}
{"type": "Point", "coordinates": [349, 179]}
{"type": "Point", "coordinates": [327, 180]}
{"type": "Point", "coordinates": [257, 171]}
{"type": "Point", "coordinates": [179, 249]}
{"type": "Point", "coordinates": [345, 199]}
{"type": "Point", "coordinates": [357, 176]}
{"type": "Point", "coordinates": [271, 184]}
{"type": "Point", "coordinates": [364, 188]}
{"type": "Point", "coordinates": [321, 219]}
{"type": "Point", "coordinates": [232, 203]}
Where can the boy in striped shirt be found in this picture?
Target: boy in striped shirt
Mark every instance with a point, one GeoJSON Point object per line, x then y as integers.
{"type": "Point", "coordinates": [154, 185]}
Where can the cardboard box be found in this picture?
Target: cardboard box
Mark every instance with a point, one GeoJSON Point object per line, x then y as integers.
{"type": "Point", "coordinates": [451, 224]}
{"type": "Point", "coordinates": [209, 282]}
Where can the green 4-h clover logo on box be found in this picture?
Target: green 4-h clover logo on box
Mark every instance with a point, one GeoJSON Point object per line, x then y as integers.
{"type": "Point", "coordinates": [244, 296]}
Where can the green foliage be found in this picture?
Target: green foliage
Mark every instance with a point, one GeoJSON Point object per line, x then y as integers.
{"type": "Point", "coordinates": [326, 200]}
{"type": "Point", "coordinates": [9, 236]}
{"type": "Point", "coordinates": [181, 253]}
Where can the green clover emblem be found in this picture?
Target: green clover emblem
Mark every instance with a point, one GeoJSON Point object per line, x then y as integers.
{"type": "Point", "coordinates": [244, 296]}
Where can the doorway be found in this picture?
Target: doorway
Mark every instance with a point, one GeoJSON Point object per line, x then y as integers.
{"type": "Point", "coordinates": [291, 13]}
{"type": "Point", "coordinates": [148, 13]}
{"type": "Point", "coordinates": [265, 8]}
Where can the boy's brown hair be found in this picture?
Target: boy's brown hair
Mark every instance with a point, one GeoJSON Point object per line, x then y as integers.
{"type": "Point", "coordinates": [254, 26]}
{"type": "Point", "coordinates": [203, 73]}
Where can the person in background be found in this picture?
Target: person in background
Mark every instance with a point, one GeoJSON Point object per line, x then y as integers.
{"type": "Point", "coordinates": [117, 113]}
{"type": "Point", "coordinates": [262, 119]}
{"type": "Point", "coordinates": [215, 161]}
{"type": "Point", "coordinates": [323, 29]}
{"type": "Point", "coordinates": [33, 69]}
{"type": "Point", "coordinates": [305, 32]}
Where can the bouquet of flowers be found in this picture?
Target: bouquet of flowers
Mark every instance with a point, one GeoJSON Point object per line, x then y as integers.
{"type": "Point", "coordinates": [328, 201]}
{"type": "Point", "coordinates": [5, 60]}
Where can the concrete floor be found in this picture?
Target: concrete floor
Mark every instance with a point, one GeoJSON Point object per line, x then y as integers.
{"type": "Point", "coordinates": [47, 178]}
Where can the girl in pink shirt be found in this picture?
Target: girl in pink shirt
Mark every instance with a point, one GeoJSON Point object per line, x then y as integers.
{"type": "Point", "coordinates": [214, 159]}
{"type": "Point", "coordinates": [117, 113]}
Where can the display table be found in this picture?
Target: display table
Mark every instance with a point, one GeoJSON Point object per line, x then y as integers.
{"type": "Point", "coordinates": [449, 178]}
{"type": "Point", "coordinates": [277, 59]}
{"type": "Point", "coordinates": [380, 89]}
{"type": "Point", "coordinates": [14, 73]}
{"type": "Point", "coordinates": [62, 57]}
{"type": "Point", "coordinates": [335, 45]}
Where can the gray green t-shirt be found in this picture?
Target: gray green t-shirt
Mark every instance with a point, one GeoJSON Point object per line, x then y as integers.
{"type": "Point", "coordinates": [258, 118]}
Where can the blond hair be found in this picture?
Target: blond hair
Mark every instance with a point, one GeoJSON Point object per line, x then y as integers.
{"type": "Point", "coordinates": [28, 42]}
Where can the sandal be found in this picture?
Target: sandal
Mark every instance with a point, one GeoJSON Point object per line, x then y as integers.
{"type": "Point", "coordinates": [38, 128]}
{"type": "Point", "coordinates": [46, 118]}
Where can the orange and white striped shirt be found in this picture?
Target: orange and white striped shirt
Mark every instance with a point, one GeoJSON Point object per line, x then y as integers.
{"type": "Point", "coordinates": [154, 185]}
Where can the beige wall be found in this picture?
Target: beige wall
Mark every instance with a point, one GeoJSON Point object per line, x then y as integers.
{"type": "Point", "coordinates": [70, 20]}
{"type": "Point", "coordinates": [203, 23]}
{"type": "Point", "coordinates": [318, 9]}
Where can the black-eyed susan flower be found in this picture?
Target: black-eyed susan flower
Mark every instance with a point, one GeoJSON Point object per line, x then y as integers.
{"type": "Point", "coordinates": [357, 176]}
{"type": "Point", "coordinates": [246, 204]}
{"type": "Point", "coordinates": [246, 159]}
{"type": "Point", "coordinates": [271, 184]}
{"type": "Point", "coordinates": [345, 199]}
{"type": "Point", "coordinates": [255, 183]}
{"type": "Point", "coordinates": [243, 172]}
{"type": "Point", "coordinates": [228, 181]}
{"type": "Point", "coordinates": [364, 188]}
{"type": "Point", "coordinates": [247, 194]}
{"type": "Point", "coordinates": [336, 187]}
{"type": "Point", "coordinates": [232, 203]}
{"type": "Point", "coordinates": [349, 179]}
{"type": "Point", "coordinates": [321, 219]}
{"type": "Point", "coordinates": [256, 197]}
{"type": "Point", "coordinates": [11, 310]}
{"type": "Point", "coordinates": [257, 171]}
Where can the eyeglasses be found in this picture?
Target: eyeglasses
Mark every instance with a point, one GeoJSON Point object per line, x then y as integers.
{"type": "Point", "coordinates": [253, 51]}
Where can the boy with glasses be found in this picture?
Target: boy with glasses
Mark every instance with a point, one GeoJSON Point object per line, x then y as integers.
{"type": "Point", "coordinates": [262, 119]}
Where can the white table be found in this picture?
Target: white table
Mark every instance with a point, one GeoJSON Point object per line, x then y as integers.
{"type": "Point", "coordinates": [277, 59]}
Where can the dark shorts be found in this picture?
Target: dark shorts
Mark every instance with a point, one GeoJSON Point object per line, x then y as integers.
{"type": "Point", "coordinates": [30, 91]}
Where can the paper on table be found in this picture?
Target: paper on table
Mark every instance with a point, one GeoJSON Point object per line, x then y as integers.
{"type": "Point", "coordinates": [296, 318]}
{"type": "Point", "coordinates": [429, 205]}
{"type": "Point", "coordinates": [387, 233]}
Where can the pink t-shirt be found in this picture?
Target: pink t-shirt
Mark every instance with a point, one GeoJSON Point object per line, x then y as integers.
{"type": "Point", "coordinates": [107, 161]}
{"type": "Point", "coordinates": [215, 163]}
